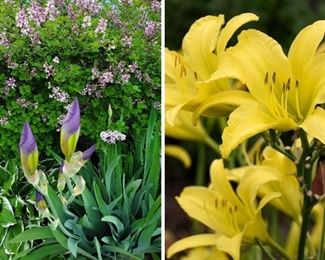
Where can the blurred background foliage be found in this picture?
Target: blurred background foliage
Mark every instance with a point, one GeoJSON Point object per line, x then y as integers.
{"type": "Point", "coordinates": [281, 19]}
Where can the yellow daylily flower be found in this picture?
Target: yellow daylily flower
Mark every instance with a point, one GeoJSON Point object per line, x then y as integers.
{"type": "Point", "coordinates": [196, 62]}
{"type": "Point", "coordinates": [234, 217]}
{"type": "Point", "coordinates": [286, 89]}
{"type": "Point", "coordinates": [283, 172]}
{"type": "Point", "coordinates": [179, 153]}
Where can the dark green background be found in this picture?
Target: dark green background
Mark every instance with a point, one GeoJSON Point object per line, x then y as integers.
{"type": "Point", "coordinates": [281, 19]}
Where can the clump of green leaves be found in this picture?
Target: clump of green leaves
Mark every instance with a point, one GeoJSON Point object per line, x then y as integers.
{"type": "Point", "coordinates": [17, 211]}
{"type": "Point", "coordinates": [117, 216]}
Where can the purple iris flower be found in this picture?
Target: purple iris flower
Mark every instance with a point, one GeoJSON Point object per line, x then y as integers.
{"type": "Point", "coordinates": [88, 153]}
{"type": "Point", "coordinates": [70, 130]}
{"type": "Point", "coordinates": [28, 153]}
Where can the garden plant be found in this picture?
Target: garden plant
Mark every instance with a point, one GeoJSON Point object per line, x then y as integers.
{"type": "Point", "coordinates": [104, 210]}
{"type": "Point", "coordinates": [102, 52]}
{"type": "Point", "coordinates": [261, 113]}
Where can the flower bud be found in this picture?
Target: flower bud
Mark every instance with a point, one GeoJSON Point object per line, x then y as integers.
{"type": "Point", "coordinates": [29, 155]}
{"type": "Point", "coordinates": [80, 186]}
{"type": "Point", "coordinates": [77, 161]}
{"type": "Point", "coordinates": [41, 205]}
{"type": "Point", "coordinates": [70, 130]}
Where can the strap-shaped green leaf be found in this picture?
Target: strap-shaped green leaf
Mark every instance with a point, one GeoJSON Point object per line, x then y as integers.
{"type": "Point", "coordinates": [56, 205]}
{"type": "Point", "coordinates": [45, 250]}
{"type": "Point", "coordinates": [33, 234]}
{"type": "Point", "coordinates": [114, 220]}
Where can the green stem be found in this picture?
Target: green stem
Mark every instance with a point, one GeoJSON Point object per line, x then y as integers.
{"type": "Point", "coordinates": [212, 144]}
{"type": "Point", "coordinates": [200, 169]}
{"type": "Point", "coordinates": [278, 249]}
{"type": "Point", "coordinates": [321, 245]}
{"type": "Point", "coordinates": [306, 174]}
{"type": "Point", "coordinates": [306, 212]}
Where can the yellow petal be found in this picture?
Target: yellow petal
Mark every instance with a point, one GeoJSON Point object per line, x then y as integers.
{"type": "Point", "coordinates": [305, 45]}
{"type": "Point", "coordinates": [205, 253]}
{"type": "Point", "coordinates": [231, 245]}
{"type": "Point", "coordinates": [312, 84]}
{"type": "Point", "coordinates": [183, 128]}
{"type": "Point", "coordinates": [247, 121]}
{"type": "Point", "coordinates": [199, 44]}
{"type": "Point", "coordinates": [170, 66]}
{"type": "Point", "coordinates": [314, 124]}
{"type": "Point", "coordinates": [231, 27]}
{"type": "Point", "coordinates": [292, 241]}
{"type": "Point", "coordinates": [220, 184]}
{"type": "Point", "coordinates": [255, 55]}
{"type": "Point", "coordinates": [179, 153]}
{"type": "Point", "coordinates": [198, 203]}
{"type": "Point", "coordinates": [221, 103]}
{"type": "Point", "coordinates": [191, 242]}
{"type": "Point", "coordinates": [249, 186]}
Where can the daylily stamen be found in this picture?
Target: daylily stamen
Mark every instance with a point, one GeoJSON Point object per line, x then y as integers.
{"type": "Point", "coordinates": [183, 71]}
{"type": "Point", "coordinates": [274, 106]}
{"type": "Point", "coordinates": [297, 99]}
{"type": "Point", "coordinates": [195, 76]}
{"type": "Point", "coordinates": [266, 80]}
{"type": "Point", "coordinates": [273, 77]}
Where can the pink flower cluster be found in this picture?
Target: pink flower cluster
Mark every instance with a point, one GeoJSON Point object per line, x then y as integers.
{"type": "Point", "coordinates": [89, 6]}
{"type": "Point", "coordinates": [23, 24]}
{"type": "Point", "coordinates": [150, 29]}
{"type": "Point", "coordinates": [127, 41]}
{"type": "Point", "coordinates": [9, 85]}
{"type": "Point", "coordinates": [101, 27]}
{"type": "Point", "coordinates": [112, 136]}
{"type": "Point", "coordinates": [25, 103]}
{"type": "Point", "coordinates": [37, 13]}
{"type": "Point", "coordinates": [4, 120]}
{"type": "Point", "coordinates": [59, 95]}
{"type": "Point", "coordinates": [48, 69]}
{"type": "Point", "coordinates": [155, 5]}
{"type": "Point", "coordinates": [4, 41]}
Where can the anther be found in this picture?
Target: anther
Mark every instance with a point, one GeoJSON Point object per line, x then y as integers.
{"type": "Point", "coordinates": [183, 70]}
{"type": "Point", "coordinates": [216, 203]}
{"type": "Point", "coordinates": [297, 84]}
{"type": "Point", "coordinates": [273, 77]}
{"type": "Point", "coordinates": [235, 208]}
{"type": "Point", "coordinates": [195, 75]}
{"type": "Point", "coordinates": [288, 84]}
{"type": "Point", "coordinates": [230, 210]}
{"type": "Point", "coordinates": [266, 79]}
{"type": "Point", "coordinates": [175, 62]}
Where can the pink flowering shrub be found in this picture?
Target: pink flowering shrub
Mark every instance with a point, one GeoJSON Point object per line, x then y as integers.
{"type": "Point", "coordinates": [102, 52]}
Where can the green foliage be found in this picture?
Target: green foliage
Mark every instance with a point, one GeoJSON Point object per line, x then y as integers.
{"type": "Point", "coordinates": [43, 95]}
{"type": "Point", "coordinates": [118, 214]}
{"type": "Point", "coordinates": [16, 210]}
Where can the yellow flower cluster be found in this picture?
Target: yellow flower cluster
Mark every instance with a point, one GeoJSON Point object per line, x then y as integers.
{"type": "Point", "coordinates": [258, 88]}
